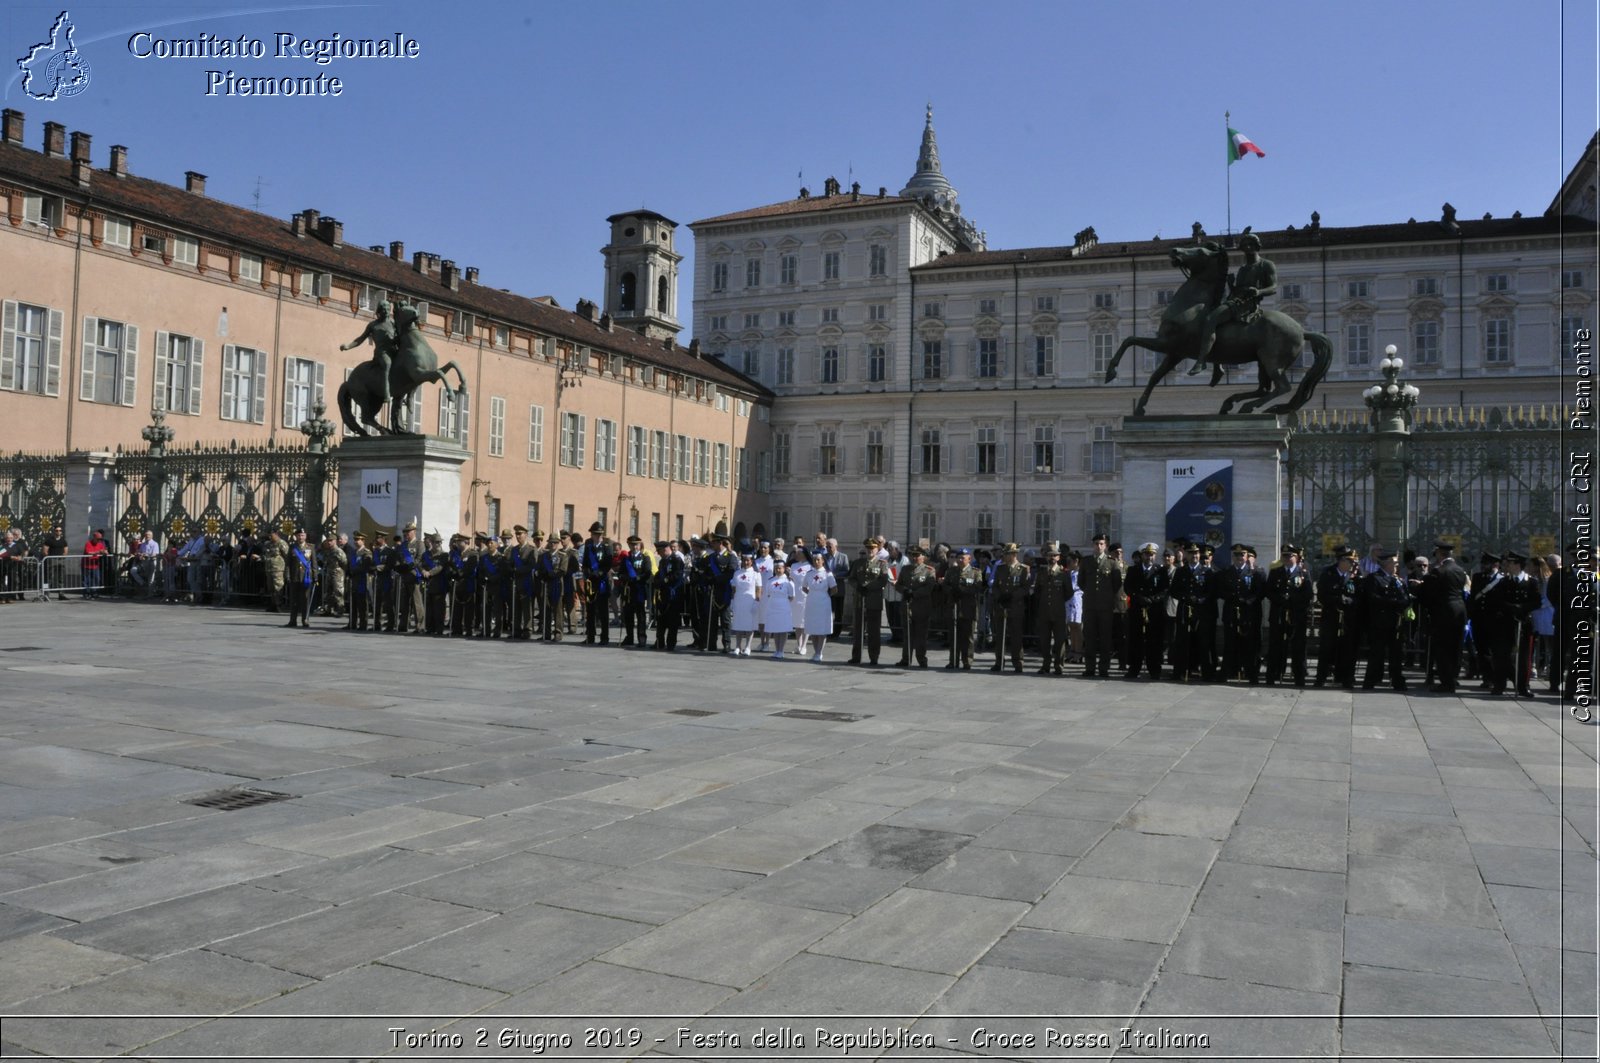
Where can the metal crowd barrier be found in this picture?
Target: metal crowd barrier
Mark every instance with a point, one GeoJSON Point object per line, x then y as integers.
{"type": "Point", "coordinates": [19, 578]}
{"type": "Point", "coordinates": [65, 574]}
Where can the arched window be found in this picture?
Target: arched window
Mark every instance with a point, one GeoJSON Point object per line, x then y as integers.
{"type": "Point", "coordinates": [629, 285]}
{"type": "Point", "coordinates": [661, 295]}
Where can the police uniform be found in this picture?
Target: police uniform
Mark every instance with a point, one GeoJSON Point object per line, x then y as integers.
{"type": "Point", "coordinates": [869, 576]}
{"type": "Point", "coordinates": [1146, 585]}
{"type": "Point", "coordinates": [918, 585]}
{"type": "Point", "coordinates": [1290, 590]}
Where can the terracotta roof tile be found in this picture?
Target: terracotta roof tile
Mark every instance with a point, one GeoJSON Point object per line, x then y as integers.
{"type": "Point", "coordinates": [236, 226]}
{"type": "Point", "coordinates": [808, 205]}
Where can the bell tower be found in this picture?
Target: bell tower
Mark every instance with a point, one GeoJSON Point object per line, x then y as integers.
{"type": "Point", "coordinates": [642, 273]}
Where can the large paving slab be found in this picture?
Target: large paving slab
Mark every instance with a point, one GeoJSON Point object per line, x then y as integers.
{"type": "Point", "coordinates": [510, 831]}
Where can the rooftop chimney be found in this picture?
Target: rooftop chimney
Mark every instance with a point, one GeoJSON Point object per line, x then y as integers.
{"type": "Point", "coordinates": [419, 261]}
{"type": "Point", "coordinates": [448, 275]}
{"type": "Point", "coordinates": [55, 140]}
{"type": "Point", "coordinates": [81, 171]}
{"type": "Point", "coordinates": [311, 216]}
{"type": "Point", "coordinates": [119, 160]}
{"type": "Point", "coordinates": [694, 347]}
{"type": "Point", "coordinates": [472, 274]}
{"type": "Point", "coordinates": [855, 191]}
{"type": "Point", "coordinates": [80, 146]}
{"type": "Point", "coordinates": [11, 121]}
{"type": "Point", "coordinates": [397, 250]}
{"type": "Point", "coordinates": [830, 187]}
{"type": "Point", "coordinates": [586, 309]}
{"type": "Point", "coordinates": [297, 224]}
{"type": "Point", "coordinates": [194, 182]}
{"type": "Point", "coordinates": [376, 249]}
{"type": "Point", "coordinates": [605, 321]}
{"type": "Point", "coordinates": [331, 232]}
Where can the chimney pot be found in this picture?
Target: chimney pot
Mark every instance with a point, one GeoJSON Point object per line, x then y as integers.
{"type": "Point", "coordinates": [11, 120]}
{"type": "Point", "coordinates": [80, 146]}
{"type": "Point", "coordinates": [882, 191]}
{"type": "Point", "coordinates": [376, 249]}
{"type": "Point", "coordinates": [419, 261]}
{"type": "Point", "coordinates": [297, 225]}
{"type": "Point", "coordinates": [605, 321]}
{"type": "Point", "coordinates": [119, 160]}
{"type": "Point", "coordinates": [472, 274]}
{"type": "Point", "coordinates": [55, 140]}
{"type": "Point", "coordinates": [194, 182]}
{"type": "Point", "coordinates": [397, 250]}
{"type": "Point", "coordinates": [331, 232]}
{"type": "Point", "coordinates": [448, 275]}
{"type": "Point", "coordinates": [80, 172]}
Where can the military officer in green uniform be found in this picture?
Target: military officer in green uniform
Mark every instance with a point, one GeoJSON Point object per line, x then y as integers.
{"type": "Point", "coordinates": [964, 587]}
{"type": "Point", "coordinates": [1010, 588]}
{"type": "Point", "coordinates": [869, 575]}
{"type": "Point", "coordinates": [1052, 590]}
{"type": "Point", "coordinates": [275, 557]}
{"type": "Point", "coordinates": [918, 585]}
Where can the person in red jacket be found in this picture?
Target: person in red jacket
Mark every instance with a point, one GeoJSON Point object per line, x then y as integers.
{"type": "Point", "coordinates": [94, 553]}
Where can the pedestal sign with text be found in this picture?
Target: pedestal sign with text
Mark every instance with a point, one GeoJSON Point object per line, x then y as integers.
{"type": "Point", "coordinates": [1200, 501]}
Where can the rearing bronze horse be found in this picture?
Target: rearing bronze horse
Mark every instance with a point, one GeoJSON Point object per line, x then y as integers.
{"type": "Point", "coordinates": [1270, 339]}
{"type": "Point", "coordinates": [412, 363]}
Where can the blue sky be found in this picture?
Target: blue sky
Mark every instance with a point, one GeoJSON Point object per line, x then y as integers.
{"type": "Point", "coordinates": [521, 126]}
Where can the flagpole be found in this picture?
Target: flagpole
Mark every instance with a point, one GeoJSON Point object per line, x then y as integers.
{"type": "Point", "coordinates": [1227, 124]}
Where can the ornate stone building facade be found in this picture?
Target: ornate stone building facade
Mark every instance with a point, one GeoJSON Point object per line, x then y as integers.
{"type": "Point", "coordinates": [929, 388]}
{"type": "Point", "coordinates": [122, 294]}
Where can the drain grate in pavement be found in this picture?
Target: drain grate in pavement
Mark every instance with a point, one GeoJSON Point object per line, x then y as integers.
{"type": "Point", "coordinates": [819, 714]}
{"type": "Point", "coordinates": [242, 797]}
{"type": "Point", "coordinates": [693, 712]}
{"type": "Point", "coordinates": [19, 649]}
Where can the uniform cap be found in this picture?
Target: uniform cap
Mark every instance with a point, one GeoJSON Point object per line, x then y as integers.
{"type": "Point", "coordinates": [362, 536]}
{"type": "Point", "coordinates": [965, 551]}
{"type": "Point", "coordinates": [1487, 556]}
{"type": "Point", "coordinates": [1444, 547]}
{"type": "Point", "coordinates": [596, 527]}
{"type": "Point", "coordinates": [634, 539]}
{"type": "Point", "coordinates": [1009, 548]}
{"type": "Point", "coordinates": [409, 527]}
{"type": "Point", "coordinates": [520, 528]}
{"type": "Point", "coordinates": [1516, 558]}
{"type": "Point", "coordinates": [916, 551]}
{"type": "Point", "coordinates": [1290, 548]}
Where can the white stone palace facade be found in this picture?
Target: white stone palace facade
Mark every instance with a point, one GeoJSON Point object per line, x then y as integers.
{"type": "Point", "coordinates": [929, 388]}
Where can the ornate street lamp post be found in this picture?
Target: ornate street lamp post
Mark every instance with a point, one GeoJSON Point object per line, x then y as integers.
{"type": "Point", "coordinates": [1391, 403]}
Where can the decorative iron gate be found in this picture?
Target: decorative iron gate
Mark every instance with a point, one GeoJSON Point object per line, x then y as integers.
{"type": "Point", "coordinates": [1486, 476]}
{"type": "Point", "coordinates": [33, 494]}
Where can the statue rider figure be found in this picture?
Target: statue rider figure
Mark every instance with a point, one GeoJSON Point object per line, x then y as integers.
{"type": "Point", "coordinates": [380, 330]}
{"type": "Point", "coordinates": [1256, 279]}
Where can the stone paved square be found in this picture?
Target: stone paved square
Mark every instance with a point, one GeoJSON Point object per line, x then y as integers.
{"type": "Point", "coordinates": [509, 830]}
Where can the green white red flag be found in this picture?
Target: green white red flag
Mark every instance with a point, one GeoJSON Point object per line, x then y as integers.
{"type": "Point", "coordinates": [1239, 144]}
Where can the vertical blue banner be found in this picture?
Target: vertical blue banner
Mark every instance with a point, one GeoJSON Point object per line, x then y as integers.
{"type": "Point", "coordinates": [1200, 501]}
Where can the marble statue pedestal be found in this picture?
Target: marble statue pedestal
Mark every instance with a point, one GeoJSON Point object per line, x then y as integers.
{"type": "Point", "coordinates": [1255, 444]}
{"type": "Point", "coordinates": [387, 481]}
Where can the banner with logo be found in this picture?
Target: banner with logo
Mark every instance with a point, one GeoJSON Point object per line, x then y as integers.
{"type": "Point", "coordinates": [378, 503]}
{"type": "Point", "coordinates": [1200, 501]}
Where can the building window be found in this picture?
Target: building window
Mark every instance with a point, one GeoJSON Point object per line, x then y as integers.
{"type": "Point", "coordinates": [752, 273]}
{"type": "Point", "coordinates": [878, 260]}
{"type": "Point", "coordinates": [825, 522]}
{"type": "Point", "coordinates": [872, 462]}
{"type": "Point", "coordinates": [877, 311]}
{"type": "Point", "coordinates": [702, 461]}
{"type": "Point", "coordinates": [785, 365]}
{"type": "Point", "coordinates": [185, 250]}
{"type": "Point", "coordinates": [1044, 448]}
{"type": "Point", "coordinates": [764, 471]}
{"type": "Point", "coordinates": [1105, 300]}
{"type": "Point", "coordinates": [535, 434]}
{"type": "Point", "coordinates": [44, 211]}
{"type": "Point", "coordinates": [1572, 278]}
{"type": "Point", "coordinates": [719, 468]}
{"type": "Point", "coordinates": [497, 427]}
{"type": "Point", "coordinates": [988, 364]}
{"type": "Point", "coordinates": [178, 373]}
{"type": "Point", "coordinates": [830, 266]}
{"type": "Point", "coordinates": [1104, 344]}
{"type": "Point", "coordinates": [502, 337]}
{"type": "Point", "coordinates": [928, 527]}
{"type": "Point", "coordinates": [1044, 356]}
{"type": "Point", "coordinates": [719, 322]}
{"type": "Point", "coordinates": [752, 321]}
{"type": "Point", "coordinates": [30, 359]}
{"type": "Point", "coordinates": [877, 363]}
{"type": "Point", "coordinates": [453, 415]}
{"type": "Point", "coordinates": [743, 468]}
{"type": "Point", "coordinates": [110, 362]}
{"type": "Point", "coordinates": [983, 531]}
{"type": "Point", "coordinates": [828, 452]}
{"type": "Point", "coordinates": [302, 389]}
{"type": "Point", "coordinates": [986, 308]}
{"type": "Point", "coordinates": [932, 359]}
{"type": "Point", "coordinates": [780, 524]}
{"type": "Point", "coordinates": [681, 459]}
{"type": "Point", "coordinates": [780, 453]}
{"type": "Point", "coordinates": [677, 524]}
{"type": "Point", "coordinates": [1497, 282]}
{"type": "Point", "coordinates": [873, 519]}
{"type": "Point", "coordinates": [1572, 333]}
{"type": "Point", "coordinates": [788, 268]}
{"type": "Point", "coordinates": [1044, 304]}
{"type": "Point", "coordinates": [986, 451]}
{"type": "Point", "coordinates": [719, 276]}
{"type": "Point", "coordinates": [638, 451]}
{"type": "Point", "coordinates": [660, 456]}
{"type": "Point", "coordinates": [532, 518]}
{"type": "Point", "coordinates": [572, 441]}
{"type": "Point", "coordinates": [1041, 528]}
{"type": "Point", "coordinates": [569, 517]}
{"type": "Point", "coordinates": [741, 407]}
{"type": "Point", "coordinates": [1425, 286]}
{"type": "Point", "coordinates": [155, 243]}
{"type": "Point", "coordinates": [1425, 343]}
{"type": "Point", "coordinates": [829, 370]}
{"type": "Point", "coordinates": [318, 285]}
{"type": "Point", "coordinates": [244, 384]}
{"type": "Point", "coordinates": [655, 528]}
{"type": "Point", "coordinates": [1356, 290]}
{"type": "Point", "coordinates": [118, 231]}
{"type": "Point", "coordinates": [786, 319]}
{"type": "Point", "coordinates": [933, 310]}
{"type": "Point", "coordinates": [605, 445]}
{"type": "Point", "coordinates": [1358, 343]}
{"type": "Point", "coordinates": [830, 315]}
{"type": "Point", "coordinates": [1102, 452]}
{"type": "Point", "coordinates": [1497, 341]}
{"type": "Point", "coordinates": [932, 452]}
{"type": "Point", "coordinates": [462, 324]}
{"type": "Point", "coordinates": [1163, 296]}
{"type": "Point", "coordinates": [1288, 291]}
{"type": "Point", "coordinates": [250, 267]}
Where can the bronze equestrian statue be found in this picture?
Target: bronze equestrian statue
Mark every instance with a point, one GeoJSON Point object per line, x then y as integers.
{"type": "Point", "coordinates": [1237, 332]}
{"type": "Point", "coordinates": [402, 361]}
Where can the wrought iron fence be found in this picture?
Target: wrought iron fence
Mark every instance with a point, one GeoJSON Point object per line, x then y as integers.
{"type": "Point", "coordinates": [33, 494]}
{"type": "Point", "coordinates": [1484, 477]}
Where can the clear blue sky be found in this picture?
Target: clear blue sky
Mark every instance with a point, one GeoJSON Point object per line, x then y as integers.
{"type": "Point", "coordinates": [521, 126]}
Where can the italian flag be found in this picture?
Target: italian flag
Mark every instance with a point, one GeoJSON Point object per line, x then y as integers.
{"type": "Point", "coordinates": [1238, 144]}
